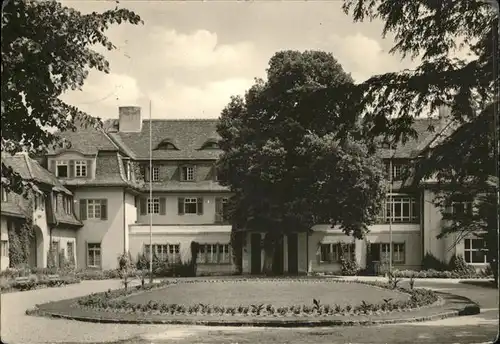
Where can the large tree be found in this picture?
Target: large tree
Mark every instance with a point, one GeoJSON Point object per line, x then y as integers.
{"type": "Point", "coordinates": [465, 160]}
{"type": "Point", "coordinates": [47, 49]}
{"type": "Point", "coordinates": [293, 160]}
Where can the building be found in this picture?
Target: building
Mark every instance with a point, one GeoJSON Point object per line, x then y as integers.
{"type": "Point", "coordinates": [48, 206]}
{"type": "Point", "coordinates": [107, 172]}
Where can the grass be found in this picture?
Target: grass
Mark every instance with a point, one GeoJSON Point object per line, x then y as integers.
{"type": "Point", "coordinates": [278, 293]}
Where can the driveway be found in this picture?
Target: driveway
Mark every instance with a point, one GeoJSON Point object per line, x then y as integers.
{"type": "Point", "coordinates": [16, 327]}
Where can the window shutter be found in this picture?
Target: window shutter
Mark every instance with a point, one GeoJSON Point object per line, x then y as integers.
{"type": "Point", "coordinates": [89, 164]}
{"type": "Point", "coordinates": [163, 206]}
{"type": "Point", "coordinates": [182, 173]}
{"type": "Point", "coordinates": [104, 209]}
{"type": "Point", "coordinates": [147, 174]}
{"type": "Point", "coordinates": [142, 206]}
{"type": "Point", "coordinates": [218, 210]}
{"type": "Point", "coordinates": [200, 206]}
{"type": "Point", "coordinates": [53, 166]}
{"type": "Point", "coordinates": [180, 205]}
{"type": "Point", "coordinates": [194, 174]}
{"type": "Point", "coordinates": [71, 168]}
{"type": "Point", "coordinates": [83, 209]}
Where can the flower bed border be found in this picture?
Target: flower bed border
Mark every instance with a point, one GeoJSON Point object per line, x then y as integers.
{"type": "Point", "coordinates": [448, 307]}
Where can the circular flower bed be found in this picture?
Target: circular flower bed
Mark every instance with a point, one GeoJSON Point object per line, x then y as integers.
{"type": "Point", "coordinates": [121, 301]}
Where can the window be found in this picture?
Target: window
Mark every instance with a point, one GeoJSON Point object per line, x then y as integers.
{"type": "Point", "coordinates": [331, 253]}
{"type": "Point", "coordinates": [463, 208]}
{"type": "Point", "coordinates": [62, 169]}
{"type": "Point", "coordinates": [166, 145]}
{"type": "Point", "coordinates": [385, 252]}
{"type": "Point", "coordinates": [398, 169]}
{"type": "Point", "coordinates": [5, 196]}
{"type": "Point", "coordinates": [475, 251]}
{"type": "Point", "coordinates": [382, 252]}
{"type": "Point", "coordinates": [69, 205]}
{"type": "Point", "coordinates": [94, 209]}
{"type": "Point", "coordinates": [153, 206]}
{"type": "Point", "coordinates": [55, 252]}
{"type": "Point", "coordinates": [70, 248]}
{"type": "Point", "coordinates": [127, 167]}
{"type": "Point", "coordinates": [164, 252]}
{"type": "Point", "coordinates": [190, 205]}
{"type": "Point", "coordinates": [4, 247]}
{"type": "Point", "coordinates": [211, 145]}
{"type": "Point", "coordinates": [188, 173]}
{"type": "Point", "coordinates": [398, 253]}
{"type": "Point", "coordinates": [214, 254]}
{"type": "Point", "coordinates": [156, 174]}
{"type": "Point", "coordinates": [80, 168]}
{"type": "Point", "coordinates": [94, 255]}
{"type": "Point", "coordinates": [401, 209]}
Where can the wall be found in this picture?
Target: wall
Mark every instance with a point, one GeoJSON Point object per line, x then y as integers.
{"type": "Point", "coordinates": [4, 262]}
{"type": "Point", "coordinates": [173, 218]}
{"type": "Point", "coordinates": [130, 217]}
{"type": "Point", "coordinates": [182, 235]}
{"type": "Point", "coordinates": [63, 236]}
{"type": "Point", "coordinates": [433, 223]}
{"type": "Point", "coordinates": [110, 232]}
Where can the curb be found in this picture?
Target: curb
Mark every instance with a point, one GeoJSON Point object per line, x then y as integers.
{"type": "Point", "coordinates": [468, 310]}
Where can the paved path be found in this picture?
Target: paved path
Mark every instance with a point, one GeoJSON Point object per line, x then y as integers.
{"type": "Point", "coordinates": [16, 327]}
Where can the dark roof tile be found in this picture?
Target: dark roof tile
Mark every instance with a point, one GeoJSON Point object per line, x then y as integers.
{"type": "Point", "coordinates": [188, 135]}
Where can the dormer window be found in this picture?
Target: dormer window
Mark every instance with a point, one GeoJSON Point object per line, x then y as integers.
{"type": "Point", "coordinates": [211, 144]}
{"type": "Point", "coordinates": [62, 169]}
{"type": "Point", "coordinates": [187, 173]}
{"type": "Point", "coordinates": [166, 145]}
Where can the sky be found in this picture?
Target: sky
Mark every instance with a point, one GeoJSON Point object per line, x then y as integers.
{"type": "Point", "coordinates": [190, 57]}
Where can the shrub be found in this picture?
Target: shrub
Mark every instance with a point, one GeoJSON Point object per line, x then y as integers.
{"type": "Point", "coordinates": [430, 262]}
{"type": "Point", "coordinates": [457, 264]}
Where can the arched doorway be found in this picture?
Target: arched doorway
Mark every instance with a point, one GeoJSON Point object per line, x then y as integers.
{"type": "Point", "coordinates": [36, 257]}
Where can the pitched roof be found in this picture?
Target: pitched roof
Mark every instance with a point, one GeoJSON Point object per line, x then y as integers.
{"type": "Point", "coordinates": [30, 169]}
{"type": "Point", "coordinates": [87, 141]}
{"type": "Point", "coordinates": [414, 146]}
{"type": "Point", "coordinates": [188, 135]}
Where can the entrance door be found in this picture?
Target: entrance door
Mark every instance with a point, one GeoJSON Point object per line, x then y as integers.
{"type": "Point", "coordinates": [256, 262]}
{"type": "Point", "coordinates": [375, 252]}
{"type": "Point", "coordinates": [293, 256]}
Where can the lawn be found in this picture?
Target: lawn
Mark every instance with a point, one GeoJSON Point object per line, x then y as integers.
{"type": "Point", "coordinates": [278, 293]}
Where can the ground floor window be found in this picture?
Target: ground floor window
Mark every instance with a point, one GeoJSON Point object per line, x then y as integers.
{"type": "Point", "coordinates": [164, 252]}
{"type": "Point", "coordinates": [214, 254]}
{"type": "Point", "coordinates": [381, 252]}
{"type": "Point", "coordinates": [475, 251]}
{"type": "Point", "coordinates": [70, 249]}
{"type": "Point", "coordinates": [331, 253]}
{"type": "Point", "coordinates": [94, 255]}
{"type": "Point", "coordinates": [4, 248]}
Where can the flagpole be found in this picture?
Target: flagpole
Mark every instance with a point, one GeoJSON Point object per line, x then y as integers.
{"type": "Point", "coordinates": [391, 212]}
{"type": "Point", "coordinates": [150, 202]}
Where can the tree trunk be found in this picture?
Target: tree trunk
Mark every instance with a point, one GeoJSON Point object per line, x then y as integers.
{"type": "Point", "coordinates": [270, 241]}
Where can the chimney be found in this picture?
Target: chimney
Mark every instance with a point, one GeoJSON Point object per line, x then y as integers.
{"type": "Point", "coordinates": [130, 120]}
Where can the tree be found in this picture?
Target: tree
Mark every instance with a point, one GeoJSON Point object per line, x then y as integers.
{"type": "Point", "coordinates": [433, 31]}
{"type": "Point", "coordinates": [293, 160]}
{"type": "Point", "coordinates": [47, 49]}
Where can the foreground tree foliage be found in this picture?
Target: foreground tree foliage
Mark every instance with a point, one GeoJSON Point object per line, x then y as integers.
{"type": "Point", "coordinates": [294, 163]}
{"type": "Point", "coordinates": [465, 163]}
{"type": "Point", "coordinates": [47, 49]}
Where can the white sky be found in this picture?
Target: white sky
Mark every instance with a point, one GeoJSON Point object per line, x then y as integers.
{"type": "Point", "coordinates": [190, 57]}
